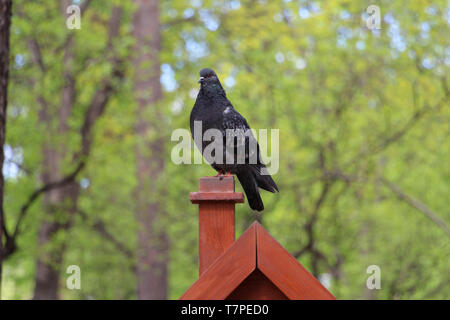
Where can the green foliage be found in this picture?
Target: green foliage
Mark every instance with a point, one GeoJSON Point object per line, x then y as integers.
{"type": "Point", "coordinates": [354, 107]}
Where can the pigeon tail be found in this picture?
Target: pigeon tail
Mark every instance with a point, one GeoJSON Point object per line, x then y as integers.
{"type": "Point", "coordinates": [263, 181]}
{"type": "Point", "coordinates": [248, 182]}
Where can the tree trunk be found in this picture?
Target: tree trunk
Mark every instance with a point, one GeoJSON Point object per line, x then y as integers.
{"type": "Point", "coordinates": [152, 238]}
{"type": "Point", "coordinates": [60, 200]}
{"type": "Point", "coordinates": [59, 206]}
{"type": "Point", "coordinates": [61, 203]}
{"type": "Point", "coordinates": [5, 23]}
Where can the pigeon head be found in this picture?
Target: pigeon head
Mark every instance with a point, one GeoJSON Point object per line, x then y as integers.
{"type": "Point", "coordinates": [207, 75]}
{"type": "Point", "coordinates": [209, 82]}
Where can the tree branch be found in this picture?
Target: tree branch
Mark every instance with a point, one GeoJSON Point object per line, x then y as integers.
{"type": "Point", "coordinates": [418, 115]}
{"type": "Point", "coordinates": [101, 96]}
{"type": "Point", "coordinates": [417, 204]}
{"type": "Point", "coordinates": [100, 228]}
{"type": "Point", "coordinates": [309, 226]}
{"type": "Point", "coordinates": [36, 56]}
{"type": "Point", "coordinates": [50, 186]}
{"type": "Point", "coordinates": [174, 22]}
{"type": "Point", "coordinates": [10, 246]}
{"type": "Point", "coordinates": [443, 285]}
{"type": "Point", "coordinates": [20, 166]}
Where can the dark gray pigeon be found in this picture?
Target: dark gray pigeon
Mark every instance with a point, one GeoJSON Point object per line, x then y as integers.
{"type": "Point", "coordinates": [240, 153]}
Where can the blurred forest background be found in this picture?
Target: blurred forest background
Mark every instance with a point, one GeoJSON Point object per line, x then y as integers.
{"type": "Point", "coordinates": [364, 141]}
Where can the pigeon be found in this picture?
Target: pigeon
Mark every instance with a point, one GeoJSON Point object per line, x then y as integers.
{"type": "Point", "coordinates": [240, 151]}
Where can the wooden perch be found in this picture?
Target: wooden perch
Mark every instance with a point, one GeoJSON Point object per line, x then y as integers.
{"type": "Point", "coordinates": [255, 267]}
{"type": "Point", "coordinates": [216, 199]}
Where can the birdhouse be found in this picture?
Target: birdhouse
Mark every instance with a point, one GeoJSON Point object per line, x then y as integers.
{"type": "Point", "coordinates": [254, 267]}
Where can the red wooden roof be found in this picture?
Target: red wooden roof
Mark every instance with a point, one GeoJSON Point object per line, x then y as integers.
{"type": "Point", "coordinates": [256, 259]}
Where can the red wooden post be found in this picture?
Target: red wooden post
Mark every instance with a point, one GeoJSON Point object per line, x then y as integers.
{"type": "Point", "coordinates": [255, 266]}
{"type": "Point", "coordinates": [216, 199]}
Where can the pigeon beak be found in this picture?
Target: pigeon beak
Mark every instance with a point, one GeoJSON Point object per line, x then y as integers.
{"type": "Point", "coordinates": [201, 79]}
